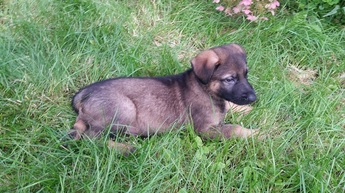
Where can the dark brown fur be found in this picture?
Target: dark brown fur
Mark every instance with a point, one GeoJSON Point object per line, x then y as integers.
{"type": "Point", "coordinates": [145, 106]}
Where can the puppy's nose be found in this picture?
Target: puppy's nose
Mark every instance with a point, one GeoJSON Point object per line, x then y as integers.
{"type": "Point", "coordinates": [251, 97]}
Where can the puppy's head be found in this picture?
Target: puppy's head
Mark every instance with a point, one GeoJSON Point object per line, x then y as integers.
{"type": "Point", "coordinates": [224, 71]}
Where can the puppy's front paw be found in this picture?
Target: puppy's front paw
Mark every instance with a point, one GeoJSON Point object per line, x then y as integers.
{"type": "Point", "coordinates": [122, 148]}
{"type": "Point", "coordinates": [243, 132]}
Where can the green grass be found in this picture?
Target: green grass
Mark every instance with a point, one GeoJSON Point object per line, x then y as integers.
{"type": "Point", "coordinates": [49, 49]}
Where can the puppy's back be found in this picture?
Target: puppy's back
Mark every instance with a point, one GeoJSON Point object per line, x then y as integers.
{"type": "Point", "coordinates": [139, 102]}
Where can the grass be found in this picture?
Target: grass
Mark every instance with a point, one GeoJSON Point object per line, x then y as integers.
{"type": "Point", "coordinates": [49, 49]}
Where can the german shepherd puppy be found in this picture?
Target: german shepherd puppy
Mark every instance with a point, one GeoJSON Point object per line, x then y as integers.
{"type": "Point", "coordinates": [145, 106]}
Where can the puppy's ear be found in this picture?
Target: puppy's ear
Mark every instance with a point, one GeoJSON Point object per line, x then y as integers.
{"type": "Point", "coordinates": [204, 64]}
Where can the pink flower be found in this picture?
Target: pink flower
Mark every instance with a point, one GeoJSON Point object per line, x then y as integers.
{"type": "Point", "coordinates": [220, 8]}
{"type": "Point", "coordinates": [236, 9]}
{"type": "Point", "coordinates": [227, 11]}
{"type": "Point", "coordinates": [251, 18]}
{"type": "Point", "coordinates": [273, 5]}
{"type": "Point", "coordinates": [246, 2]}
{"type": "Point", "coordinates": [246, 11]}
{"type": "Point", "coordinates": [246, 8]}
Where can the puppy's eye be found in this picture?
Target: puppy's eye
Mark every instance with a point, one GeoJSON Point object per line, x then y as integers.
{"type": "Point", "coordinates": [229, 80]}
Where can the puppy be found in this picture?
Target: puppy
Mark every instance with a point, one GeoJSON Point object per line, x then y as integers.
{"type": "Point", "coordinates": [143, 106]}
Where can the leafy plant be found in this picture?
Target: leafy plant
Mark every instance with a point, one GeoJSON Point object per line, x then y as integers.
{"type": "Point", "coordinates": [253, 10]}
{"type": "Point", "coordinates": [333, 10]}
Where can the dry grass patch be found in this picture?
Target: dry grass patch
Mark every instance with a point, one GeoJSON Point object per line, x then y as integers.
{"type": "Point", "coordinates": [301, 76]}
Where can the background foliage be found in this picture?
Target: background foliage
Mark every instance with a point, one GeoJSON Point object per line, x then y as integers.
{"type": "Point", "coordinates": [331, 10]}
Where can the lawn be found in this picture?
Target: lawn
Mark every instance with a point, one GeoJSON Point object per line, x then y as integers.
{"type": "Point", "coordinates": [49, 49]}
